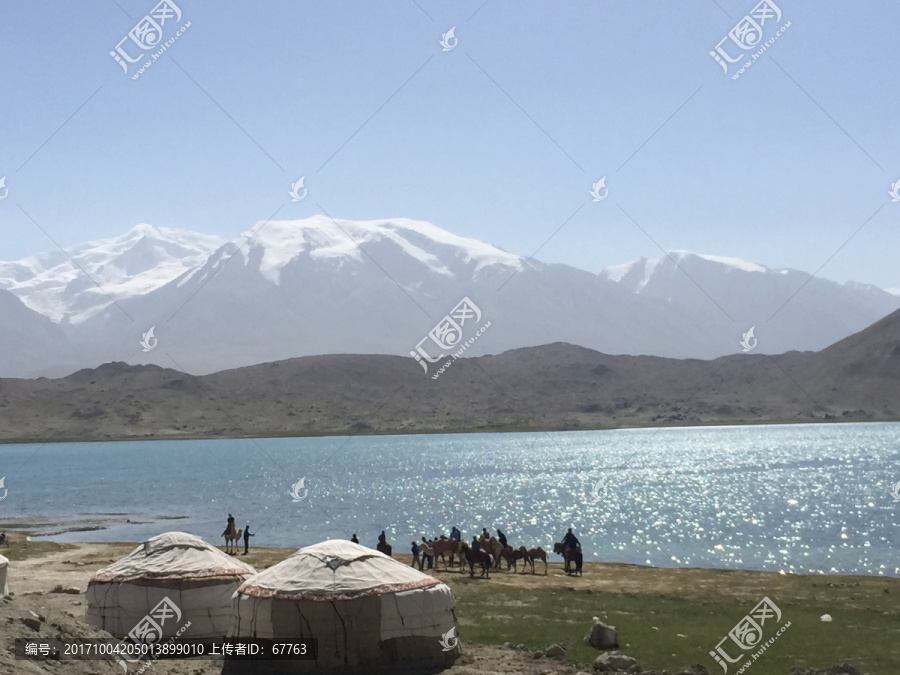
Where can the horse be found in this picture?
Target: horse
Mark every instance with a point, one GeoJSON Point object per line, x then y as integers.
{"type": "Point", "coordinates": [385, 548]}
{"type": "Point", "coordinates": [569, 556]}
{"type": "Point", "coordinates": [532, 554]}
{"type": "Point", "coordinates": [472, 557]}
{"type": "Point", "coordinates": [498, 551]}
{"type": "Point", "coordinates": [232, 538]}
{"type": "Point", "coordinates": [442, 546]}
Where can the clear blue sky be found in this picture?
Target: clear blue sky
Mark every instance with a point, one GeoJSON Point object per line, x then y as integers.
{"type": "Point", "coordinates": [771, 167]}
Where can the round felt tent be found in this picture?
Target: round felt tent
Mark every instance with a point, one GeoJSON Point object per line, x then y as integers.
{"type": "Point", "coordinates": [367, 611]}
{"type": "Point", "coordinates": [196, 577]}
{"type": "Point", "coordinates": [4, 570]}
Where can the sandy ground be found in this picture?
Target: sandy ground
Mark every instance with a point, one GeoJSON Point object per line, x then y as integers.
{"type": "Point", "coordinates": [31, 582]}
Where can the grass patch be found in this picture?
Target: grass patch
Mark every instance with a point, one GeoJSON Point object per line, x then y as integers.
{"type": "Point", "coordinates": [865, 633]}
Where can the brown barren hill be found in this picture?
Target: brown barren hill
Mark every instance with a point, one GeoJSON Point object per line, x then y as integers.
{"type": "Point", "coordinates": [554, 386]}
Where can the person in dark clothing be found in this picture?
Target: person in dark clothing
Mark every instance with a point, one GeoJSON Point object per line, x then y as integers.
{"type": "Point", "coordinates": [570, 540]}
{"type": "Point", "coordinates": [415, 555]}
{"type": "Point", "coordinates": [354, 538]}
{"type": "Point", "coordinates": [501, 538]}
{"type": "Point", "coordinates": [247, 536]}
{"type": "Point", "coordinates": [484, 533]}
{"type": "Point", "coordinates": [382, 537]}
{"type": "Point", "coordinates": [476, 545]}
{"type": "Point", "coordinates": [455, 533]}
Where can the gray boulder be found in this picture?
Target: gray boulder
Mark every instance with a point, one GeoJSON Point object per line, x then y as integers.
{"type": "Point", "coordinates": [602, 636]}
{"type": "Point", "coordinates": [613, 662]}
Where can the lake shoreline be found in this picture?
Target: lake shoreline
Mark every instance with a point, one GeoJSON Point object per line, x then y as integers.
{"type": "Point", "coordinates": [516, 429]}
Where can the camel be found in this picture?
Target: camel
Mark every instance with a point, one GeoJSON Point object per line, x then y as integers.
{"type": "Point", "coordinates": [442, 546]}
{"type": "Point", "coordinates": [232, 539]}
{"type": "Point", "coordinates": [476, 557]}
{"type": "Point", "coordinates": [532, 554]}
{"type": "Point", "coordinates": [498, 551]}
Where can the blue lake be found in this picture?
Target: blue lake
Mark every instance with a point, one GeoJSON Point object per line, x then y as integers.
{"type": "Point", "coordinates": [798, 498]}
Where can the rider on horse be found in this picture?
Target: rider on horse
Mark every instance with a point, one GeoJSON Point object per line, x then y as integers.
{"type": "Point", "coordinates": [570, 541]}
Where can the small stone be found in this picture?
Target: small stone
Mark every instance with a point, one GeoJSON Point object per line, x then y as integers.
{"type": "Point", "coordinates": [556, 652]}
{"type": "Point", "coordinates": [696, 669]}
{"type": "Point", "coordinates": [34, 624]}
{"type": "Point", "coordinates": [537, 654]}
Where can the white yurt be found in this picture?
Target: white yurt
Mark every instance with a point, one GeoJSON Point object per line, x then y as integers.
{"type": "Point", "coordinates": [198, 579]}
{"type": "Point", "coordinates": [4, 570]}
{"type": "Point", "coordinates": [368, 612]}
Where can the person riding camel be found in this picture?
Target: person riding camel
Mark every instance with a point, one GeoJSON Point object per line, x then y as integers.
{"type": "Point", "coordinates": [476, 544]}
{"type": "Point", "coordinates": [501, 538]}
{"type": "Point", "coordinates": [455, 533]}
{"type": "Point", "coordinates": [570, 541]}
{"type": "Point", "coordinates": [229, 528]}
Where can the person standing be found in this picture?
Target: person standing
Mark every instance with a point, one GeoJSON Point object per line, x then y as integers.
{"type": "Point", "coordinates": [426, 558]}
{"type": "Point", "coordinates": [247, 536]}
{"type": "Point", "coordinates": [415, 556]}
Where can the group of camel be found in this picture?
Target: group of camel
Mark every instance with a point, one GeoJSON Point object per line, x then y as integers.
{"type": "Point", "coordinates": [492, 553]}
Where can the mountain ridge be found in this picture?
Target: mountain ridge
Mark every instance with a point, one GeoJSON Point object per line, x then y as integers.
{"type": "Point", "coordinates": [555, 386]}
{"type": "Point", "coordinates": [318, 285]}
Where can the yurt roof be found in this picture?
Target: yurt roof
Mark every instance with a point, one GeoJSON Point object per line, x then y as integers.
{"type": "Point", "coordinates": [173, 555]}
{"type": "Point", "coordinates": [335, 570]}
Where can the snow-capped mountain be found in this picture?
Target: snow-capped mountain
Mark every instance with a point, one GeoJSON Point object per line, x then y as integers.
{"type": "Point", "coordinates": [316, 286]}
{"type": "Point", "coordinates": [73, 285]}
